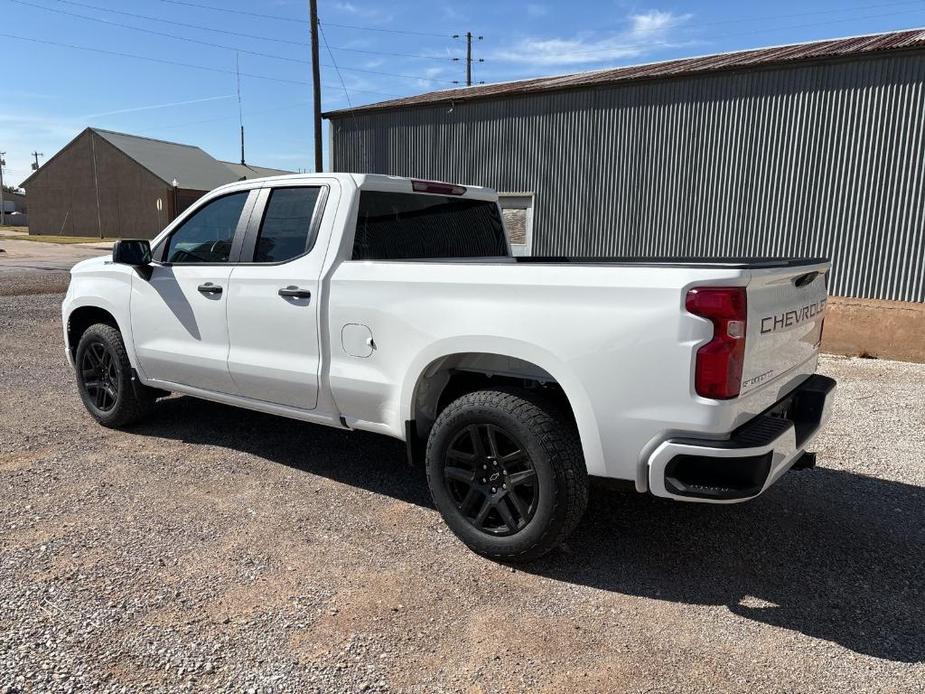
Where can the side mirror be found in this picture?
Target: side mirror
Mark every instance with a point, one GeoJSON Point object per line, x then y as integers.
{"type": "Point", "coordinates": [134, 252]}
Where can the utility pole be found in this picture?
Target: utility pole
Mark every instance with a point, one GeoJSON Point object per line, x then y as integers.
{"type": "Point", "coordinates": [469, 60]}
{"type": "Point", "coordinates": [35, 166]}
{"type": "Point", "coordinates": [2, 208]}
{"type": "Point", "coordinates": [316, 84]}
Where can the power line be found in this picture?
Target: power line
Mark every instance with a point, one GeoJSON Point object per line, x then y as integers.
{"type": "Point", "coordinates": [176, 63]}
{"type": "Point", "coordinates": [109, 22]}
{"type": "Point", "coordinates": [336, 69]}
{"type": "Point", "coordinates": [366, 91]}
{"type": "Point", "coordinates": [388, 31]}
{"type": "Point", "coordinates": [347, 97]}
{"type": "Point", "coordinates": [415, 33]}
{"type": "Point", "coordinates": [397, 55]}
{"type": "Point", "coordinates": [148, 58]}
{"type": "Point", "coordinates": [301, 21]}
{"type": "Point", "coordinates": [389, 74]}
{"type": "Point", "coordinates": [173, 22]}
{"type": "Point", "coordinates": [233, 11]}
{"type": "Point", "coordinates": [235, 49]}
{"type": "Point", "coordinates": [716, 22]}
{"type": "Point", "coordinates": [249, 114]}
{"type": "Point", "coordinates": [258, 37]}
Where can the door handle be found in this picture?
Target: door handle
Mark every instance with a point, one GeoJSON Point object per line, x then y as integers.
{"type": "Point", "coordinates": [209, 288]}
{"type": "Point", "coordinates": [294, 292]}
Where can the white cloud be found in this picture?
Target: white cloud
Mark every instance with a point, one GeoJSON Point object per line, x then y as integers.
{"type": "Point", "coordinates": [558, 51]}
{"type": "Point", "coordinates": [452, 14]}
{"type": "Point", "coordinates": [434, 78]}
{"type": "Point", "coordinates": [646, 32]}
{"type": "Point", "coordinates": [655, 23]}
{"type": "Point", "coordinates": [370, 13]}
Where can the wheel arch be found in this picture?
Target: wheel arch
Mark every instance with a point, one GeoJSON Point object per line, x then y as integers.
{"type": "Point", "coordinates": [454, 368]}
{"type": "Point", "coordinates": [82, 318]}
{"type": "Point", "coordinates": [87, 310]}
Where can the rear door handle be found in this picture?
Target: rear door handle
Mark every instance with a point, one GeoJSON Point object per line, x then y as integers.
{"type": "Point", "coordinates": [295, 293]}
{"type": "Point", "coordinates": [209, 288]}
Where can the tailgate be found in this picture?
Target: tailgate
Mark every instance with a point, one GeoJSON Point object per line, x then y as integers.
{"type": "Point", "coordinates": [786, 307]}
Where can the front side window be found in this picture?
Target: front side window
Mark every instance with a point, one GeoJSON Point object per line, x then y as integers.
{"type": "Point", "coordinates": [409, 226]}
{"type": "Point", "coordinates": [206, 237]}
{"type": "Point", "coordinates": [287, 224]}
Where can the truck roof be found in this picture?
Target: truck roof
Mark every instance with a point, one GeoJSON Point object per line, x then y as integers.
{"type": "Point", "coordinates": [380, 182]}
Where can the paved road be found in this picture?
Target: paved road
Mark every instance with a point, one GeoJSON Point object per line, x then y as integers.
{"type": "Point", "coordinates": [215, 548]}
{"type": "Point", "coordinates": [31, 267]}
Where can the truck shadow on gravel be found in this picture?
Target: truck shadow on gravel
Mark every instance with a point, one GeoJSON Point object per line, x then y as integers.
{"type": "Point", "coordinates": [830, 554]}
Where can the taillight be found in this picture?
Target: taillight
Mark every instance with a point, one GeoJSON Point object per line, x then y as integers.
{"type": "Point", "coordinates": [437, 187]}
{"type": "Point", "coordinates": [718, 372]}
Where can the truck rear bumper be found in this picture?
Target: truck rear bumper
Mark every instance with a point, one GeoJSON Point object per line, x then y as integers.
{"type": "Point", "coordinates": [751, 459]}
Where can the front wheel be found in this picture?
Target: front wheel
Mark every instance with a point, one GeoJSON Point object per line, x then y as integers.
{"type": "Point", "coordinates": [104, 379]}
{"type": "Point", "coordinates": [506, 472]}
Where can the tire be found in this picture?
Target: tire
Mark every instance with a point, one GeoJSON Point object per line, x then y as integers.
{"type": "Point", "coordinates": [529, 513]}
{"type": "Point", "coordinates": [105, 379]}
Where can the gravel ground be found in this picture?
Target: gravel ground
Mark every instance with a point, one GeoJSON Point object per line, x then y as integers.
{"type": "Point", "coordinates": [33, 267]}
{"type": "Point", "coordinates": [212, 548]}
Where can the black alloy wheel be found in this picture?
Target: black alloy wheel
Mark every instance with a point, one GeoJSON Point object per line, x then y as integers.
{"type": "Point", "coordinates": [100, 376]}
{"type": "Point", "coordinates": [491, 479]}
{"type": "Point", "coordinates": [505, 470]}
{"type": "Point", "coordinates": [105, 379]}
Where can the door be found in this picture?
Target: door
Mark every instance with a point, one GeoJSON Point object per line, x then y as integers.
{"type": "Point", "coordinates": [517, 210]}
{"type": "Point", "coordinates": [273, 302]}
{"type": "Point", "coordinates": [179, 321]}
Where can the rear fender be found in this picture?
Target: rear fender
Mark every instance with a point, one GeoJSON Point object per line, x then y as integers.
{"type": "Point", "coordinates": [424, 362]}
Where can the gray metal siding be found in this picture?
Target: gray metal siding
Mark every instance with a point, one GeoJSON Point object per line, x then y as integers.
{"type": "Point", "coordinates": [817, 159]}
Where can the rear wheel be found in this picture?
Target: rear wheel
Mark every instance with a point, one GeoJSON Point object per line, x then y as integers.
{"type": "Point", "coordinates": [105, 380]}
{"type": "Point", "coordinates": [505, 470]}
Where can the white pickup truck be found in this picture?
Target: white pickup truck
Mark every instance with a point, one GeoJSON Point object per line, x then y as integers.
{"type": "Point", "coordinates": [394, 306]}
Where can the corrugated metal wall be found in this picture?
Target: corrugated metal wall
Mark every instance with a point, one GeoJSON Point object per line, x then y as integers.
{"type": "Point", "coordinates": [807, 160]}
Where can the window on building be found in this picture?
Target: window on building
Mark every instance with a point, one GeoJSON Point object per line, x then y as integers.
{"type": "Point", "coordinates": [207, 235]}
{"type": "Point", "coordinates": [287, 224]}
{"type": "Point", "coordinates": [517, 211]}
{"type": "Point", "coordinates": [405, 226]}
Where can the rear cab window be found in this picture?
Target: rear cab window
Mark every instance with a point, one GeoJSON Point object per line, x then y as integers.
{"type": "Point", "coordinates": [414, 226]}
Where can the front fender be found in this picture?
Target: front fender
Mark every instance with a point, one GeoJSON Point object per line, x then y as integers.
{"type": "Point", "coordinates": [107, 289]}
{"type": "Point", "coordinates": [571, 385]}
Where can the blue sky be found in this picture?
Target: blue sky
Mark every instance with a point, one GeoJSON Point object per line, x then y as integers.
{"type": "Point", "coordinates": [51, 92]}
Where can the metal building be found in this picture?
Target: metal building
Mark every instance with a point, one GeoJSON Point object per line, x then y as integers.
{"type": "Point", "coordinates": [812, 149]}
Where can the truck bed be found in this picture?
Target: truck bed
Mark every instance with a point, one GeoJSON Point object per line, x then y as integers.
{"type": "Point", "coordinates": [741, 263]}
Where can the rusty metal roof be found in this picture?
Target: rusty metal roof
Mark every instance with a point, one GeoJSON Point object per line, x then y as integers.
{"type": "Point", "coordinates": [757, 57]}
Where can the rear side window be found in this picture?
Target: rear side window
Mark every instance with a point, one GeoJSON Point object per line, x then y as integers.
{"type": "Point", "coordinates": [407, 226]}
{"type": "Point", "coordinates": [287, 224]}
